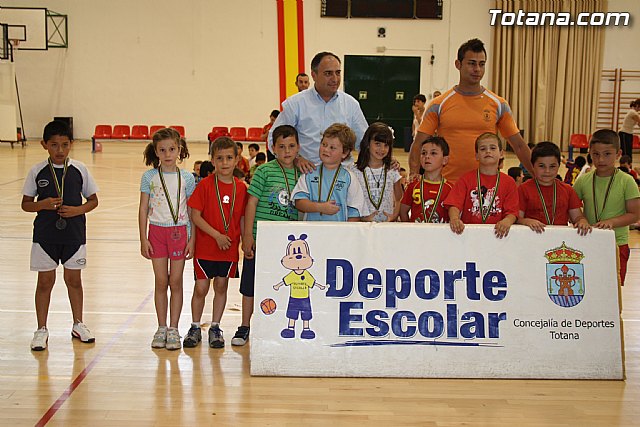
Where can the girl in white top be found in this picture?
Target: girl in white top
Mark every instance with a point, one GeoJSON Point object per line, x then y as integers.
{"type": "Point", "coordinates": [626, 131]}
{"type": "Point", "coordinates": [164, 191]}
{"type": "Point", "coordinates": [380, 183]}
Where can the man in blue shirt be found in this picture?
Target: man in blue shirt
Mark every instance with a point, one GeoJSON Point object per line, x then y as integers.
{"type": "Point", "coordinates": [315, 109]}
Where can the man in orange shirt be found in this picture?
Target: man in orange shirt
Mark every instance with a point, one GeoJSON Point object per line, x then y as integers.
{"type": "Point", "coordinates": [464, 112]}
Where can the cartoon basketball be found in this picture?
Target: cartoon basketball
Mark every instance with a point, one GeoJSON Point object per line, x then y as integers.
{"type": "Point", "coordinates": [268, 306]}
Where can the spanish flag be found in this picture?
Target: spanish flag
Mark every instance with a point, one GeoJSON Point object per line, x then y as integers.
{"type": "Point", "coordinates": [290, 44]}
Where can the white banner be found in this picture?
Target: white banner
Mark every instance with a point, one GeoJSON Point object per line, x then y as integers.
{"type": "Point", "coordinates": [407, 300]}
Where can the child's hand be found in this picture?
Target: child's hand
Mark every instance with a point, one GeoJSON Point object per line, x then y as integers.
{"type": "Point", "coordinates": [457, 226]}
{"type": "Point", "coordinates": [329, 208]}
{"type": "Point", "coordinates": [146, 249]}
{"type": "Point", "coordinates": [604, 225]}
{"type": "Point", "coordinates": [189, 250]}
{"type": "Point", "coordinates": [583, 226]}
{"type": "Point", "coordinates": [369, 218]}
{"type": "Point", "coordinates": [390, 217]}
{"type": "Point", "coordinates": [69, 211]}
{"type": "Point", "coordinates": [50, 203]}
{"type": "Point", "coordinates": [533, 224]}
{"type": "Point", "coordinates": [502, 228]}
{"type": "Point", "coordinates": [248, 246]}
{"type": "Point", "coordinates": [223, 241]}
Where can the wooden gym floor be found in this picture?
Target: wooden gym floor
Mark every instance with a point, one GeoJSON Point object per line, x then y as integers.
{"type": "Point", "coordinates": [121, 381]}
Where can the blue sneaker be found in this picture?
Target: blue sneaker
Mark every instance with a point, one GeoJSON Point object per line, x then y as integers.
{"type": "Point", "coordinates": [216, 339]}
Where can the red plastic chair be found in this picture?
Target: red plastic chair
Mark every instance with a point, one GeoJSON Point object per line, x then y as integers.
{"type": "Point", "coordinates": [578, 140]}
{"type": "Point", "coordinates": [179, 129]}
{"type": "Point", "coordinates": [102, 132]}
{"type": "Point", "coordinates": [254, 134]}
{"type": "Point", "coordinates": [154, 129]}
{"type": "Point", "coordinates": [217, 131]}
{"type": "Point", "coordinates": [140, 132]}
{"type": "Point", "coordinates": [636, 142]}
{"type": "Point", "coordinates": [121, 132]}
{"type": "Point", "coordinates": [238, 133]}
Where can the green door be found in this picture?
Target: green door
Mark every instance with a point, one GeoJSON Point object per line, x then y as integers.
{"type": "Point", "coordinates": [385, 87]}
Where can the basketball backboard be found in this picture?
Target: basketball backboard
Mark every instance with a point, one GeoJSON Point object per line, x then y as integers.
{"type": "Point", "coordinates": [29, 25]}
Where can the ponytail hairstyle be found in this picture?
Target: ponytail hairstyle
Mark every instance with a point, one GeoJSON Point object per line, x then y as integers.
{"type": "Point", "coordinates": [150, 157]}
{"type": "Point", "coordinates": [380, 132]}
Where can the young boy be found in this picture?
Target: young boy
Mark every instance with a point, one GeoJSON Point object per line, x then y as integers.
{"type": "Point", "coordinates": [196, 170]}
{"type": "Point", "coordinates": [254, 149]}
{"type": "Point", "coordinates": [269, 199]}
{"type": "Point", "coordinates": [625, 162]}
{"type": "Point", "coordinates": [611, 198]}
{"type": "Point", "coordinates": [260, 160]}
{"type": "Point", "coordinates": [243, 163]}
{"type": "Point", "coordinates": [59, 231]}
{"type": "Point", "coordinates": [515, 172]}
{"type": "Point", "coordinates": [485, 195]}
{"type": "Point", "coordinates": [327, 193]}
{"type": "Point", "coordinates": [544, 200]}
{"type": "Point", "coordinates": [217, 208]}
{"type": "Point", "coordinates": [424, 198]}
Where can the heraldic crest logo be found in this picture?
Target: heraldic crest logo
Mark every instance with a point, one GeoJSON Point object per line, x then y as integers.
{"type": "Point", "coordinates": [565, 275]}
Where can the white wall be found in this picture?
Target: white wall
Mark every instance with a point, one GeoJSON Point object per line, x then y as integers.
{"type": "Point", "coordinates": [201, 63]}
{"type": "Point", "coordinates": [621, 43]}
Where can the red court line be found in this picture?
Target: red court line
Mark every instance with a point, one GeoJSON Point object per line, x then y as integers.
{"type": "Point", "coordinates": [78, 380]}
{"type": "Point", "coordinates": [300, 10]}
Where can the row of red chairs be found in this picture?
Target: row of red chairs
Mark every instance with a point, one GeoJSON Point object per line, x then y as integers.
{"type": "Point", "coordinates": [135, 132]}
{"type": "Point", "coordinates": [236, 133]}
{"type": "Point", "coordinates": [581, 141]}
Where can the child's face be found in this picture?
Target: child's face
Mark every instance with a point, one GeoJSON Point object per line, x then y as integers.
{"type": "Point", "coordinates": [519, 179]}
{"type": "Point", "coordinates": [196, 168]}
{"type": "Point", "coordinates": [168, 152]}
{"type": "Point", "coordinates": [378, 150]}
{"type": "Point", "coordinates": [489, 152]}
{"type": "Point", "coordinates": [286, 150]}
{"type": "Point", "coordinates": [252, 152]}
{"type": "Point", "coordinates": [332, 151]}
{"type": "Point", "coordinates": [604, 156]}
{"type": "Point", "coordinates": [432, 159]}
{"type": "Point", "coordinates": [224, 161]}
{"type": "Point", "coordinates": [546, 169]}
{"type": "Point", "coordinates": [58, 147]}
{"type": "Point", "coordinates": [260, 162]}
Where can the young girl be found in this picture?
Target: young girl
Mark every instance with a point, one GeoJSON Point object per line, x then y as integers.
{"type": "Point", "coordinates": [381, 185]}
{"type": "Point", "coordinates": [164, 191]}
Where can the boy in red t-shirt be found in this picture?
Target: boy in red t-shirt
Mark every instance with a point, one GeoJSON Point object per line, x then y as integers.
{"type": "Point", "coordinates": [484, 195]}
{"type": "Point", "coordinates": [424, 198]}
{"type": "Point", "coordinates": [545, 200]}
{"type": "Point", "coordinates": [217, 205]}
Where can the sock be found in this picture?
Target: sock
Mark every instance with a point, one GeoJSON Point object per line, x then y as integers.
{"type": "Point", "coordinates": [195, 324]}
{"type": "Point", "coordinates": [215, 324]}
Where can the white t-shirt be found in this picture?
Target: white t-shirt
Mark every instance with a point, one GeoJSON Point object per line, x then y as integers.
{"type": "Point", "coordinates": [375, 178]}
{"type": "Point", "coordinates": [159, 212]}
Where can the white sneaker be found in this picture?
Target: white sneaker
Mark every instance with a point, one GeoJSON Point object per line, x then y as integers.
{"type": "Point", "coordinates": [40, 339]}
{"type": "Point", "coordinates": [81, 332]}
{"type": "Point", "coordinates": [173, 339]}
{"type": "Point", "coordinates": [159, 338]}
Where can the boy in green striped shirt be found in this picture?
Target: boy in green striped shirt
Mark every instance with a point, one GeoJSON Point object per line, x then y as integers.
{"type": "Point", "coordinates": [269, 200]}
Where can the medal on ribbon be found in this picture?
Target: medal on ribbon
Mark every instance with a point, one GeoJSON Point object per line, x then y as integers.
{"type": "Point", "coordinates": [61, 223]}
{"type": "Point", "coordinates": [484, 213]}
{"type": "Point", "coordinates": [333, 184]}
{"type": "Point", "coordinates": [551, 220]}
{"type": "Point", "coordinates": [286, 181]}
{"type": "Point", "coordinates": [175, 234]}
{"type": "Point", "coordinates": [384, 185]}
{"type": "Point", "coordinates": [225, 223]}
{"type": "Point", "coordinates": [435, 205]}
{"type": "Point", "coordinates": [606, 195]}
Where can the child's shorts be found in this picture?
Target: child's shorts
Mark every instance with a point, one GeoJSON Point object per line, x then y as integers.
{"type": "Point", "coordinates": [168, 242]}
{"type": "Point", "coordinates": [47, 256]}
{"type": "Point", "coordinates": [248, 278]}
{"type": "Point", "coordinates": [204, 269]}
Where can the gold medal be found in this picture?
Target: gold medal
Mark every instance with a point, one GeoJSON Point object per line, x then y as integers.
{"type": "Point", "coordinates": [61, 223]}
{"type": "Point", "coordinates": [484, 213]}
{"type": "Point", "coordinates": [226, 224]}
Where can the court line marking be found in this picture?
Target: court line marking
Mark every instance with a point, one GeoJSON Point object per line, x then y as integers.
{"type": "Point", "coordinates": [85, 372]}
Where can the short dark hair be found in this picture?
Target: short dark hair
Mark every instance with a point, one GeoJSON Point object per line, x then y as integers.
{"type": "Point", "coordinates": [439, 142]}
{"type": "Point", "coordinates": [635, 103]}
{"type": "Point", "coordinates": [261, 156]}
{"type": "Point", "coordinates": [580, 161]}
{"type": "Point", "coordinates": [545, 149]}
{"type": "Point", "coordinates": [514, 172]}
{"type": "Point", "coordinates": [605, 136]}
{"type": "Point", "coordinates": [56, 128]}
{"type": "Point", "coordinates": [315, 62]}
{"type": "Point", "coordinates": [625, 159]}
{"type": "Point", "coordinates": [221, 143]}
{"type": "Point", "coordinates": [473, 45]}
{"type": "Point", "coordinates": [254, 146]}
{"type": "Point", "coordinates": [301, 75]}
{"type": "Point", "coordinates": [275, 113]}
{"type": "Point", "coordinates": [284, 131]}
{"type": "Point", "coordinates": [206, 168]}
{"type": "Point", "coordinates": [420, 97]}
